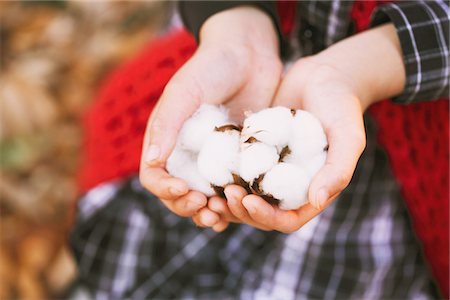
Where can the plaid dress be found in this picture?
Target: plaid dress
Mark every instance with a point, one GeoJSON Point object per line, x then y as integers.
{"type": "Point", "coordinates": [128, 245]}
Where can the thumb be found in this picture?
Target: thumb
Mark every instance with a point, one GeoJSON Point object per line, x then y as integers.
{"type": "Point", "coordinates": [345, 147]}
{"type": "Point", "coordinates": [195, 83]}
{"type": "Point", "coordinates": [341, 117]}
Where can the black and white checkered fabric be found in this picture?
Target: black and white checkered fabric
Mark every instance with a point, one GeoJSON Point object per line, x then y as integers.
{"type": "Point", "coordinates": [128, 245]}
{"type": "Point", "coordinates": [422, 26]}
{"type": "Point", "coordinates": [423, 29]}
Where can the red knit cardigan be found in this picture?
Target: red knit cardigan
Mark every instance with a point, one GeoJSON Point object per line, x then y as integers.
{"type": "Point", "coordinates": [415, 137]}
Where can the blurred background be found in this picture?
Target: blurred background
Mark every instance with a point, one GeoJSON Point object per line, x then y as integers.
{"type": "Point", "coordinates": [53, 57]}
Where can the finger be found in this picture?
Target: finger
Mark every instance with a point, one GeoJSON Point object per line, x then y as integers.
{"type": "Point", "coordinates": [346, 143]}
{"type": "Point", "coordinates": [220, 226]}
{"type": "Point", "coordinates": [206, 218]}
{"type": "Point", "coordinates": [196, 220]}
{"type": "Point", "coordinates": [187, 205]}
{"type": "Point", "coordinates": [340, 114]}
{"type": "Point", "coordinates": [235, 194]}
{"type": "Point", "coordinates": [286, 221]}
{"type": "Point", "coordinates": [219, 205]}
{"type": "Point", "coordinates": [270, 216]}
{"type": "Point", "coordinates": [192, 85]}
{"type": "Point", "coordinates": [161, 184]}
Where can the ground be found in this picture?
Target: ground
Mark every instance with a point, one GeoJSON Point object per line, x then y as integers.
{"type": "Point", "coordinates": [53, 57]}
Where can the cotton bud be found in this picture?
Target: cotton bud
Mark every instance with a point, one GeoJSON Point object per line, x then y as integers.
{"type": "Point", "coordinates": [301, 145]}
{"type": "Point", "coordinates": [271, 126]}
{"type": "Point", "coordinates": [307, 137]}
{"type": "Point", "coordinates": [275, 155]}
{"type": "Point", "coordinates": [218, 158]}
{"type": "Point", "coordinates": [311, 166]}
{"type": "Point", "coordinates": [183, 164]}
{"type": "Point", "coordinates": [197, 128]}
{"type": "Point", "coordinates": [255, 159]}
{"type": "Point", "coordinates": [287, 183]}
{"type": "Point", "coordinates": [315, 164]}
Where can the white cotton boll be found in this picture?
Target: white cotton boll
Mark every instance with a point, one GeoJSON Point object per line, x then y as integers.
{"type": "Point", "coordinates": [313, 166]}
{"type": "Point", "coordinates": [310, 166]}
{"type": "Point", "coordinates": [255, 159]}
{"type": "Point", "coordinates": [287, 183]}
{"type": "Point", "coordinates": [183, 164]}
{"type": "Point", "coordinates": [271, 126]}
{"type": "Point", "coordinates": [195, 130]}
{"type": "Point", "coordinates": [218, 158]}
{"type": "Point", "coordinates": [308, 138]}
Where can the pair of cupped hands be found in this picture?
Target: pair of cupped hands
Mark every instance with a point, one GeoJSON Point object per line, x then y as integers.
{"type": "Point", "coordinates": [237, 64]}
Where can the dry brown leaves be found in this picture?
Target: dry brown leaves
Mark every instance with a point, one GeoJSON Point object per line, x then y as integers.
{"type": "Point", "coordinates": [53, 55]}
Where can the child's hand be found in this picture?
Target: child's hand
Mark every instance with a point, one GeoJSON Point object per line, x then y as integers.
{"type": "Point", "coordinates": [230, 210]}
{"type": "Point", "coordinates": [336, 85]}
{"type": "Point", "coordinates": [325, 92]}
{"type": "Point", "coordinates": [236, 64]}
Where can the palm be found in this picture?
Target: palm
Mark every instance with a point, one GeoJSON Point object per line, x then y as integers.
{"type": "Point", "coordinates": [324, 93]}
{"type": "Point", "coordinates": [245, 82]}
{"type": "Point", "coordinates": [241, 79]}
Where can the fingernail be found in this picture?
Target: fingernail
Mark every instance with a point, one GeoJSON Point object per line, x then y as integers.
{"type": "Point", "coordinates": [232, 200]}
{"type": "Point", "coordinates": [234, 195]}
{"type": "Point", "coordinates": [250, 207]}
{"type": "Point", "coordinates": [219, 227]}
{"type": "Point", "coordinates": [152, 153]}
{"type": "Point", "coordinates": [322, 197]}
{"type": "Point", "coordinates": [177, 191]}
{"type": "Point", "coordinates": [194, 205]}
{"type": "Point", "coordinates": [209, 220]}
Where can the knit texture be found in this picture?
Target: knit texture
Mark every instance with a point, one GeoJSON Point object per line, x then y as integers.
{"type": "Point", "coordinates": [116, 122]}
{"type": "Point", "coordinates": [416, 137]}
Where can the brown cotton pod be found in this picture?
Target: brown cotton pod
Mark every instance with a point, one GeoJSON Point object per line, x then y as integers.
{"type": "Point", "coordinates": [228, 127]}
{"type": "Point", "coordinates": [284, 152]}
{"type": "Point", "coordinates": [256, 189]}
{"type": "Point", "coordinates": [251, 140]}
{"type": "Point", "coordinates": [219, 190]}
{"type": "Point", "coordinates": [241, 182]}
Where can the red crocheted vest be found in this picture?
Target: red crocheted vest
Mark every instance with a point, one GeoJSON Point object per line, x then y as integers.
{"type": "Point", "coordinates": [415, 137]}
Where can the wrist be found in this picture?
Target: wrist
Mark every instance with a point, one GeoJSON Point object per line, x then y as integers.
{"type": "Point", "coordinates": [331, 72]}
{"type": "Point", "coordinates": [318, 74]}
{"type": "Point", "coordinates": [371, 62]}
{"type": "Point", "coordinates": [244, 27]}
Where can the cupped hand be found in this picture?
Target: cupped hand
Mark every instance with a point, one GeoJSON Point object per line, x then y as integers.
{"type": "Point", "coordinates": [328, 94]}
{"type": "Point", "coordinates": [237, 64]}
{"type": "Point", "coordinates": [336, 85]}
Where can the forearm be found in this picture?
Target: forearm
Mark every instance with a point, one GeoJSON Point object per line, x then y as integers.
{"type": "Point", "coordinates": [370, 61]}
{"type": "Point", "coordinates": [260, 19]}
